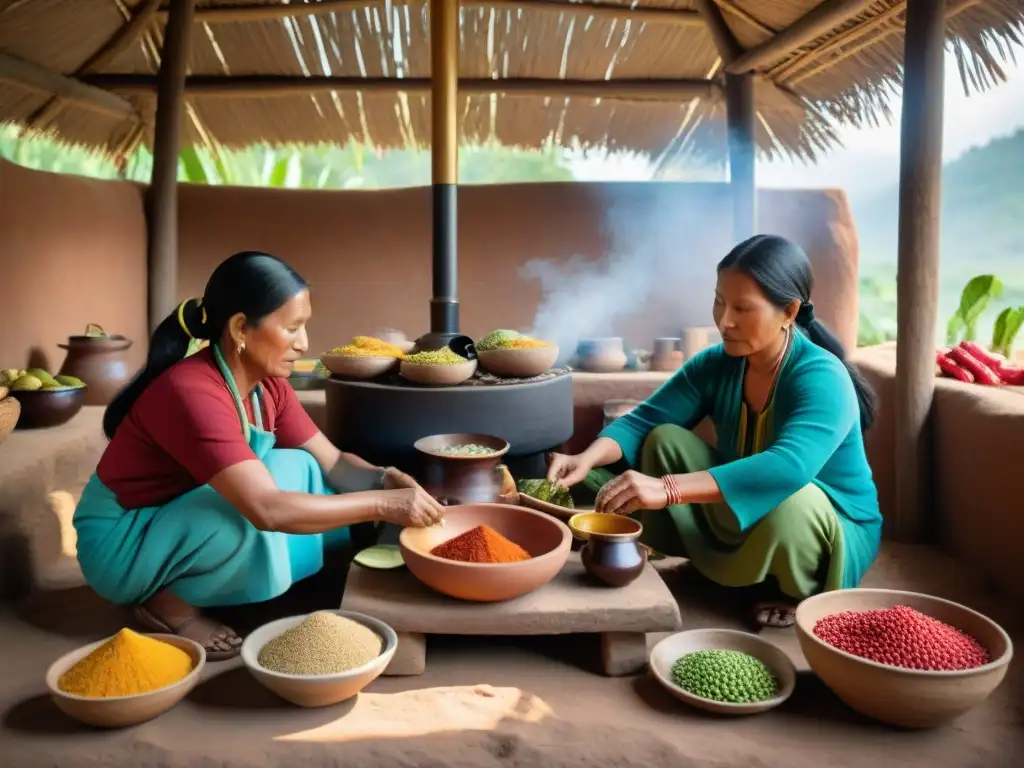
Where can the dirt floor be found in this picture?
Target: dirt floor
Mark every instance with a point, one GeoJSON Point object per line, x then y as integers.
{"type": "Point", "coordinates": [534, 703]}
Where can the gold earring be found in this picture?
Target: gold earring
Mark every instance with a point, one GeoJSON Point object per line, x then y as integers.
{"type": "Point", "coordinates": [241, 348]}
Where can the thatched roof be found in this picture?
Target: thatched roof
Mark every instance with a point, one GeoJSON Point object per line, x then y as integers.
{"type": "Point", "coordinates": [643, 76]}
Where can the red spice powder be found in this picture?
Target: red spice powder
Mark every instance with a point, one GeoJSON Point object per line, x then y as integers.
{"type": "Point", "coordinates": [902, 637]}
{"type": "Point", "coordinates": [482, 544]}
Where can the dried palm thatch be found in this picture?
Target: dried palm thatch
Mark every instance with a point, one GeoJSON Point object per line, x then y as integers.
{"type": "Point", "coordinates": [642, 76]}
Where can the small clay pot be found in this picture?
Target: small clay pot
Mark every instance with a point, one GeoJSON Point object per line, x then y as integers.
{"type": "Point", "coordinates": [601, 355]}
{"type": "Point", "coordinates": [462, 479]}
{"type": "Point", "coordinates": [612, 553]}
{"type": "Point", "coordinates": [99, 361]}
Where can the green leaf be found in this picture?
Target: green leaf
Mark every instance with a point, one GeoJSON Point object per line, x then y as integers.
{"type": "Point", "coordinates": [192, 169]}
{"type": "Point", "coordinates": [380, 557]}
{"type": "Point", "coordinates": [974, 300]}
{"type": "Point", "coordinates": [279, 174]}
{"type": "Point", "coordinates": [1007, 326]}
{"type": "Point", "coordinates": [954, 328]}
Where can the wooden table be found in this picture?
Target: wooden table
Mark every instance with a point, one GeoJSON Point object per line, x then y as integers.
{"type": "Point", "coordinates": [571, 603]}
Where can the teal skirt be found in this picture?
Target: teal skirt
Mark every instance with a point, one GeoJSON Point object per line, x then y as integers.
{"type": "Point", "coordinates": [198, 545]}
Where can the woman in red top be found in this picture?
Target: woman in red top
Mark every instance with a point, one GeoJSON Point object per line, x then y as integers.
{"type": "Point", "coordinates": [216, 487]}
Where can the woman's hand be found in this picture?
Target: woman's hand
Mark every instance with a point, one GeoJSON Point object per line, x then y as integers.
{"type": "Point", "coordinates": [630, 492]}
{"type": "Point", "coordinates": [409, 507]}
{"type": "Point", "coordinates": [394, 479]}
{"type": "Point", "coordinates": [567, 470]}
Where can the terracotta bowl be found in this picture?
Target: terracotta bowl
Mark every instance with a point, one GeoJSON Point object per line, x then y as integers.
{"type": "Point", "coordinates": [358, 366]}
{"type": "Point", "coordinates": [519, 362]}
{"type": "Point", "coordinates": [544, 537]}
{"type": "Point", "coordinates": [48, 407]}
{"type": "Point", "coordinates": [122, 711]}
{"type": "Point", "coordinates": [10, 411]}
{"type": "Point", "coordinates": [668, 651]}
{"type": "Point", "coordinates": [317, 690]}
{"type": "Point", "coordinates": [438, 375]}
{"type": "Point", "coordinates": [905, 697]}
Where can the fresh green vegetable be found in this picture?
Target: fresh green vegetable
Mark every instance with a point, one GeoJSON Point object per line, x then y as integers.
{"type": "Point", "coordinates": [727, 676]}
{"type": "Point", "coordinates": [542, 490]}
{"type": "Point", "coordinates": [380, 557]}
{"type": "Point", "coordinates": [976, 296]}
{"type": "Point", "coordinates": [1004, 333]}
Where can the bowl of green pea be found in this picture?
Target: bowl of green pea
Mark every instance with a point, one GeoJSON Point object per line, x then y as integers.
{"type": "Point", "coordinates": [723, 671]}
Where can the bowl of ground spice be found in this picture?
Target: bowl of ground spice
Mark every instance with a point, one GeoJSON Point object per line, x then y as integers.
{"type": "Point", "coordinates": [723, 671]}
{"type": "Point", "coordinates": [438, 367]}
{"type": "Point", "coordinates": [487, 552]}
{"type": "Point", "coordinates": [904, 658]}
{"type": "Point", "coordinates": [126, 679]}
{"type": "Point", "coordinates": [363, 358]}
{"type": "Point", "coordinates": [319, 659]}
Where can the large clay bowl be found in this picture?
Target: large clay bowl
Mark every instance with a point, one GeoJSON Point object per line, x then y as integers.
{"type": "Point", "coordinates": [668, 651]}
{"type": "Point", "coordinates": [122, 711]}
{"type": "Point", "coordinates": [438, 375]}
{"type": "Point", "coordinates": [518, 363]}
{"type": "Point", "coordinates": [358, 366]}
{"type": "Point", "coordinates": [435, 444]}
{"type": "Point", "coordinates": [910, 698]}
{"type": "Point", "coordinates": [543, 536]}
{"type": "Point", "coordinates": [317, 690]}
{"type": "Point", "coordinates": [48, 407]}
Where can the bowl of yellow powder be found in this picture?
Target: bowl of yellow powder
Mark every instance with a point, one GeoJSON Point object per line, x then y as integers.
{"type": "Point", "coordinates": [319, 659]}
{"type": "Point", "coordinates": [519, 357]}
{"type": "Point", "coordinates": [363, 358]}
{"type": "Point", "coordinates": [125, 679]}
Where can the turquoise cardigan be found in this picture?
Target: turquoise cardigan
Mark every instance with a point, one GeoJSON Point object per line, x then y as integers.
{"type": "Point", "coordinates": [809, 432]}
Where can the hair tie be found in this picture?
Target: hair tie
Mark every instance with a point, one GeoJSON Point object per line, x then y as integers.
{"type": "Point", "coordinates": [181, 315]}
{"type": "Point", "coordinates": [805, 315]}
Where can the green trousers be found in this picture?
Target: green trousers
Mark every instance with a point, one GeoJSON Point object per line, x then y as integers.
{"type": "Point", "coordinates": [799, 543]}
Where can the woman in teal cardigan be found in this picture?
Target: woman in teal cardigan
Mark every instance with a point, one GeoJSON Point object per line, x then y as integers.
{"type": "Point", "coordinates": [787, 497]}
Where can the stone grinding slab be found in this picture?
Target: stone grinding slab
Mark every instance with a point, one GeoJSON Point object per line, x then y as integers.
{"type": "Point", "coordinates": [570, 603]}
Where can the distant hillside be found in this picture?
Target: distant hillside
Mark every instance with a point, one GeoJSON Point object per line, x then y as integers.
{"type": "Point", "coordinates": [982, 209]}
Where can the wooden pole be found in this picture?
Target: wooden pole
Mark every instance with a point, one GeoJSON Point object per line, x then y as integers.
{"type": "Point", "coordinates": [917, 280]}
{"type": "Point", "coordinates": [741, 118]}
{"type": "Point", "coordinates": [444, 163]}
{"type": "Point", "coordinates": [162, 195]}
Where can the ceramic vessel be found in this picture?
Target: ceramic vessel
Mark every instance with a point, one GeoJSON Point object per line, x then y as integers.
{"type": "Point", "coordinates": [99, 361]}
{"type": "Point", "coordinates": [601, 355]}
{"type": "Point", "coordinates": [358, 366]}
{"type": "Point", "coordinates": [693, 340]}
{"type": "Point", "coordinates": [317, 690]}
{"type": "Point", "coordinates": [910, 698]}
{"type": "Point", "coordinates": [462, 479]}
{"type": "Point", "coordinates": [521, 363]}
{"type": "Point", "coordinates": [122, 711]}
{"type": "Point", "coordinates": [10, 410]}
{"type": "Point", "coordinates": [667, 354]}
{"type": "Point", "coordinates": [665, 654]}
{"type": "Point", "coordinates": [48, 407]}
{"type": "Point", "coordinates": [548, 541]}
{"type": "Point", "coordinates": [612, 553]}
{"type": "Point", "coordinates": [438, 375]}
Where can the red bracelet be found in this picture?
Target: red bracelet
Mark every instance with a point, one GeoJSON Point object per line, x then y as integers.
{"type": "Point", "coordinates": [672, 490]}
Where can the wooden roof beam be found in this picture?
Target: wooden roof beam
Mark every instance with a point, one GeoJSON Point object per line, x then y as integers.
{"type": "Point", "coordinates": [243, 12]}
{"type": "Point", "coordinates": [819, 21]}
{"type": "Point", "coordinates": [37, 78]}
{"type": "Point", "coordinates": [262, 86]}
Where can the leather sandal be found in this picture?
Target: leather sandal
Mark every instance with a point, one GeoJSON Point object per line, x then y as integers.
{"type": "Point", "coordinates": [220, 641]}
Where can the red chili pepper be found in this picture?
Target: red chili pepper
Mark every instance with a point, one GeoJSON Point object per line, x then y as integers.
{"type": "Point", "coordinates": [981, 372]}
{"type": "Point", "coordinates": [948, 367]}
{"type": "Point", "coordinates": [1007, 371]}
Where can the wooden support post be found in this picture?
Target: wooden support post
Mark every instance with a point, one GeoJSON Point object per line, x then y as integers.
{"type": "Point", "coordinates": [162, 196]}
{"type": "Point", "coordinates": [917, 280]}
{"type": "Point", "coordinates": [741, 116]}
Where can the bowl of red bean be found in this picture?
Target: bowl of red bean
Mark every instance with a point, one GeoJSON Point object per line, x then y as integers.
{"type": "Point", "coordinates": [904, 658]}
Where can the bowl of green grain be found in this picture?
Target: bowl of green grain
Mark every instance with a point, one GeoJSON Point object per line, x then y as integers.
{"type": "Point", "coordinates": [439, 367]}
{"type": "Point", "coordinates": [321, 658]}
{"type": "Point", "coordinates": [723, 671]}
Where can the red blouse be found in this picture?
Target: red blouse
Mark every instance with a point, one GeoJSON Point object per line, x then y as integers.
{"type": "Point", "coordinates": [184, 429]}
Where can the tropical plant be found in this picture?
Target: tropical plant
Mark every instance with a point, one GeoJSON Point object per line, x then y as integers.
{"type": "Point", "coordinates": [974, 300]}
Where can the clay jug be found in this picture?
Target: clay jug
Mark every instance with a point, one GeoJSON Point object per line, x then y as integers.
{"type": "Point", "coordinates": [601, 355]}
{"type": "Point", "coordinates": [617, 559]}
{"type": "Point", "coordinates": [98, 359]}
{"type": "Point", "coordinates": [668, 354]}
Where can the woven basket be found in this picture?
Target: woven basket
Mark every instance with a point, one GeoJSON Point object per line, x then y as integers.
{"type": "Point", "coordinates": [10, 410]}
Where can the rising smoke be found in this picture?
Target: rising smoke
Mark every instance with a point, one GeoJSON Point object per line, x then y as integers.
{"type": "Point", "coordinates": [653, 280]}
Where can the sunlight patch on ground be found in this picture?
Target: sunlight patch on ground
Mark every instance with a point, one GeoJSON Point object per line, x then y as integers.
{"type": "Point", "coordinates": [428, 711]}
